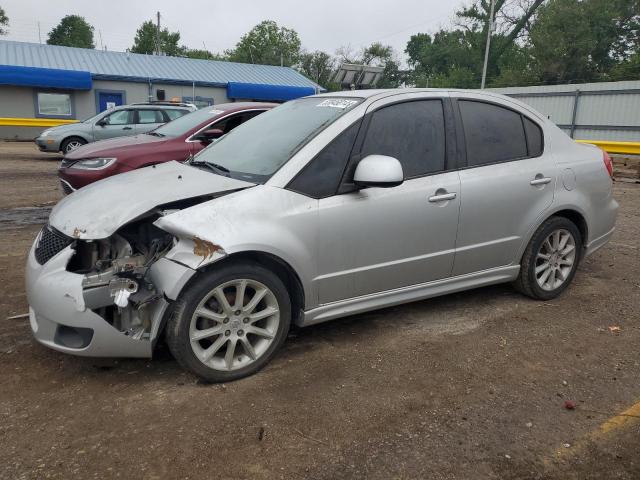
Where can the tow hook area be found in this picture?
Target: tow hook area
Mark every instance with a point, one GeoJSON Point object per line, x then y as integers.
{"type": "Point", "coordinates": [120, 289]}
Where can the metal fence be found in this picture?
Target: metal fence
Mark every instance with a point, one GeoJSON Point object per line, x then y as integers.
{"type": "Point", "coordinates": [607, 112]}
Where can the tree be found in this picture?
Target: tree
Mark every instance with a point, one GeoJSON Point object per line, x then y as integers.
{"type": "Point", "coordinates": [317, 66]}
{"type": "Point", "coordinates": [4, 22]}
{"type": "Point", "coordinates": [145, 40]}
{"type": "Point", "coordinates": [601, 42]}
{"type": "Point", "coordinates": [72, 31]}
{"type": "Point", "coordinates": [201, 54]}
{"type": "Point", "coordinates": [267, 44]}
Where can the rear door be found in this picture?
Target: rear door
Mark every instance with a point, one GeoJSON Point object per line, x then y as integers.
{"type": "Point", "coordinates": [507, 184]}
{"type": "Point", "coordinates": [148, 119]}
{"type": "Point", "coordinates": [116, 124]}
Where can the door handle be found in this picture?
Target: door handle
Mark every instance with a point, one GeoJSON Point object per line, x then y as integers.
{"type": "Point", "coordinates": [127, 128]}
{"type": "Point", "coordinates": [442, 197]}
{"type": "Point", "coordinates": [540, 180]}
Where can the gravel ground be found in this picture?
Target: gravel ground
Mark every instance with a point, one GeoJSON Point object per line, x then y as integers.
{"type": "Point", "coordinates": [467, 386]}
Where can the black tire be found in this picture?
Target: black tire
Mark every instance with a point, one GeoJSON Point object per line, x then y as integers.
{"type": "Point", "coordinates": [178, 325]}
{"type": "Point", "coordinates": [65, 145]}
{"type": "Point", "coordinates": [526, 282]}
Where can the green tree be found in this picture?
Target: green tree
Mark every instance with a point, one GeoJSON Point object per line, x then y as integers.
{"type": "Point", "coordinates": [202, 54]}
{"type": "Point", "coordinates": [145, 40]}
{"type": "Point", "coordinates": [72, 31]}
{"type": "Point", "coordinates": [4, 22]}
{"type": "Point", "coordinates": [601, 40]}
{"type": "Point", "coordinates": [267, 44]}
{"type": "Point", "coordinates": [317, 66]}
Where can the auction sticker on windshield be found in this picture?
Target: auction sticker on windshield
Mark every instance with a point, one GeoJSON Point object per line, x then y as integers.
{"type": "Point", "coordinates": [337, 103]}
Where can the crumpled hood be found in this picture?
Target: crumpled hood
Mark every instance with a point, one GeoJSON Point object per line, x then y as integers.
{"type": "Point", "coordinates": [98, 210]}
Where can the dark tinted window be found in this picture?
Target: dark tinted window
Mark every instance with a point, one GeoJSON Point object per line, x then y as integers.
{"type": "Point", "coordinates": [412, 132]}
{"type": "Point", "coordinates": [234, 121]}
{"type": "Point", "coordinates": [320, 178]}
{"type": "Point", "coordinates": [534, 137]}
{"type": "Point", "coordinates": [492, 133]}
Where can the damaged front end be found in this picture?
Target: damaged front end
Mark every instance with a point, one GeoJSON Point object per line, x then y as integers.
{"type": "Point", "coordinates": [104, 297]}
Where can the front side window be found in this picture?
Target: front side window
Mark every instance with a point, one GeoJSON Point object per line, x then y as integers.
{"type": "Point", "coordinates": [121, 117]}
{"type": "Point", "coordinates": [321, 177]}
{"type": "Point", "coordinates": [492, 133]}
{"type": "Point", "coordinates": [413, 132]}
{"type": "Point", "coordinates": [58, 104]}
{"type": "Point", "coordinates": [257, 149]}
{"type": "Point", "coordinates": [150, 116]}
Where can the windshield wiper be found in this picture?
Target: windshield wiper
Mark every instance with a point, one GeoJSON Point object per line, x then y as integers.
{"type": "Point", "coordinates": [214, 167]}
{"type": "Point", "coordinates": [155, 134]}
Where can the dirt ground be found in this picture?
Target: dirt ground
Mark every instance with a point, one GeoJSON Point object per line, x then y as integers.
{"type": "Point", "coordinates": [467, 386]}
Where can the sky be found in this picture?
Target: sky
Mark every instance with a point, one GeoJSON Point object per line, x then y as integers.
{"type": "Point", "coordinates": [218, 25]}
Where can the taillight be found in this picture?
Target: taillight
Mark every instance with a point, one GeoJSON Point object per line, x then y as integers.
{"type": "Point", "coordinates": [607, 163]}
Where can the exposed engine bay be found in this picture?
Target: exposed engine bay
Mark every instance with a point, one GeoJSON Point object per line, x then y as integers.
{"type": "Point", "coordinates": [115, 284]}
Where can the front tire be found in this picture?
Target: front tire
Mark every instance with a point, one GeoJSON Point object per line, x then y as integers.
{"type": "Point", "coordinates": [551, 259]}
{"type": "Point", "coordinates": [71, 144]}
{"type": "Point", "coordinates": [229, 322]}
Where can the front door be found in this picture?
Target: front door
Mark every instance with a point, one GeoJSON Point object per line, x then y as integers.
{"type": "Point", "coordinates": [379, 239]}
{"type": "Point", "coordinates": [109, 100]}
{"type": "Point", "coordinates": [508, 183]}
{"type": "Point", "coordinates": [148, 119]}
{"type": "Point", "coordinates": [116, 124]}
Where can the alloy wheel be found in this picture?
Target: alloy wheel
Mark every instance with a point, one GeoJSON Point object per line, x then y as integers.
{"type": "Point", "coordinates": [234, 324]}
{"type": "Point", "coordinates": [555, 259]}
{"type": "Point", "coordinates": [72, 145]}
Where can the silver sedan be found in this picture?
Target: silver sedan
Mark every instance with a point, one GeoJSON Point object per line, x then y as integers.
{"type": "Point", "coordinates": [324, 207]}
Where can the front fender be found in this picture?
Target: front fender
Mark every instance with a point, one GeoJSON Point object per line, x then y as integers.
{"type": "Point", "coordinates": [260, 219]}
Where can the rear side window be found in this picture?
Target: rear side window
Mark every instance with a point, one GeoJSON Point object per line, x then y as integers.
{"type": "Point", "coordinates": [150, 116]}
{"type": "Point", "coordinates": [321, 177]}
{"type": "Point", "coordinates": [535, 142]}
{"type": "Point", "coordinates": [175, 113]}
{"type": "Point", "coordinates": [412, 132]}
{"type": "Point", "coordinates": [492, 133]}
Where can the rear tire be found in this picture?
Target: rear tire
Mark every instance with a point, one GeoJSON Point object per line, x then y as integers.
{"type": "Point", "coordinates": [71, 144]}
{"type": "Point", "coordinates": [219, 336]}
{"type": "Point", "coordinates": [551, 259]}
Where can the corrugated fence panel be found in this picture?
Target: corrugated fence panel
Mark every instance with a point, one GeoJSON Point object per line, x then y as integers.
{"type": "Point", "coordinates": [604, 111]}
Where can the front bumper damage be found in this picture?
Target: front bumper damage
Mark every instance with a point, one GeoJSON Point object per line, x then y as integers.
{"type": "Point", "coordinates": [65, 310]}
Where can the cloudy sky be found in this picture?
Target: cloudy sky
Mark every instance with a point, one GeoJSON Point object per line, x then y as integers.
{"type": "Point", "coordinates": [322, 25]}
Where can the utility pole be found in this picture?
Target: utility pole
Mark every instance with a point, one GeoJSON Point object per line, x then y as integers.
{"type": "Point", "coordinates": [100, 35]}
{"type": "Point", "coordinates": [486, 49]}
{"type": "Point", "coordinates": [158, 36]}
{"type": "Point", "coordinates": [39, 34]}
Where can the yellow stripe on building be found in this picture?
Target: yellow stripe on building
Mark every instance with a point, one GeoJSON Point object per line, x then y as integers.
{"type": "Point", "coordinates": [33, 122]}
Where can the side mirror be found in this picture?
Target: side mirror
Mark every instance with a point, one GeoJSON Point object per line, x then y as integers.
{"type": "Point", "coordinates": [101, 123]}
{"type": "Point", "coordinates": [209, 135]}
{"type": "Point", "coordinates": [378, 171]}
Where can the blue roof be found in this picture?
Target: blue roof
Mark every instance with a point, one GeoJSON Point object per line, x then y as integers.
{"type": "Point", "coordinates": [137, 67]}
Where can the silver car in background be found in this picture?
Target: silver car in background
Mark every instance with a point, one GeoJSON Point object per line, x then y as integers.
{"type": "Point", "coordinates": [323, 207]}
{"type": "Point", "coordinates": [119, 121]}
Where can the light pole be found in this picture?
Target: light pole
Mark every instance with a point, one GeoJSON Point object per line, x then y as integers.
{"type": "Point", "coordinates": [486, 48]}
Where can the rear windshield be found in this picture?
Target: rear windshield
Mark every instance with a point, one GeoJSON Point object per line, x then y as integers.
{"type": "Point", "coordinates": [257, 149]}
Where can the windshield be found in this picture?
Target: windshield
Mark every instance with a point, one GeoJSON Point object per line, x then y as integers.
{"type": "Point", "coordinates": [186, 123]}
{"type": "Point", "coordinates": [257, 149]}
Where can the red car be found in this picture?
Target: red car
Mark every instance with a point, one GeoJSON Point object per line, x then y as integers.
{"type": "Point", "coordinates": [176, 140]}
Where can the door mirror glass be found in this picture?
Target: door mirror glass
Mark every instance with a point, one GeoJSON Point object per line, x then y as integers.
{"type": "Point", "coordinates": [102, 122]}
{"type": "Point", "coordinates": [378, 171]}
{"type": "Point", "coordinates": [209, 135]}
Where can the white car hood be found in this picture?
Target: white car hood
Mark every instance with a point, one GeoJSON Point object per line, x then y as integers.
{"type": "Point", "coordinates": [98, 210]}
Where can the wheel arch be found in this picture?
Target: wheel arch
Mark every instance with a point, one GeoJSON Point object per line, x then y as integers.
{"type": "Point", "coordinates": [280, 267]}
{"type": "Point", "coordinates": [71, 136]}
